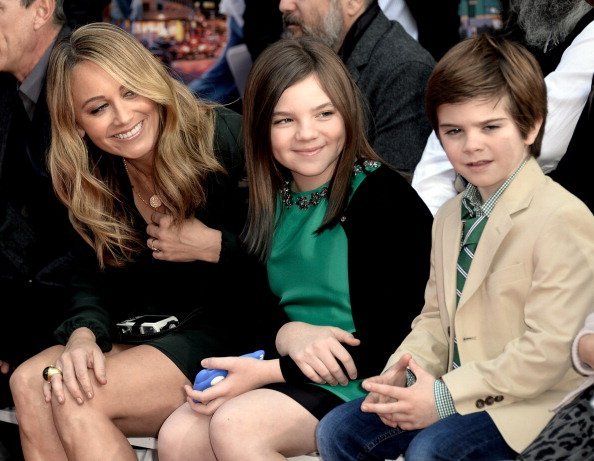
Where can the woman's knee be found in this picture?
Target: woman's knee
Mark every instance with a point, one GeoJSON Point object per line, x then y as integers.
{"type": "Point", "coordinates": [26, 382]}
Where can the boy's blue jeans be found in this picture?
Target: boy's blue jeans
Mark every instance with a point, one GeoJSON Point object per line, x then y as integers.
{"type": "Point", "coordinates": [346, 433]}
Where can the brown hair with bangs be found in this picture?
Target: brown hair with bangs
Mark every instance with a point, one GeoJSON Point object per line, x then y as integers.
{"type": "Point", "coordinates": [491, 67]}
{"type": "Point", "coordinates": [283, 64]}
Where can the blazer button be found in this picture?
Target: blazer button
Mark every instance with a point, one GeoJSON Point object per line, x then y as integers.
{"type": "Point", "coordinates": [498, 398]}
{"type": "Point", "coordinates": [489, 400]}
{"type": "Point", "coordinates": [480, 403]}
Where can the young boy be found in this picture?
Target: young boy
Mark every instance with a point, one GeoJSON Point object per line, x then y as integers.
{"type": "Point", "coordinates": [512, 271]}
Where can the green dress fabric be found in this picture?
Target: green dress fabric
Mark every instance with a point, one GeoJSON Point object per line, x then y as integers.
{"type": "Point", "coordinates": [309, 271]}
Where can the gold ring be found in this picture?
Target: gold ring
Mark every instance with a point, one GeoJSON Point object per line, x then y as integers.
{"type": "Point", "coordinates": [50, 371]}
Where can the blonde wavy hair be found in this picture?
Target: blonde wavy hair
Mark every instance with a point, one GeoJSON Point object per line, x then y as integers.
{"type": "Point", "coordinates": [88, 180]}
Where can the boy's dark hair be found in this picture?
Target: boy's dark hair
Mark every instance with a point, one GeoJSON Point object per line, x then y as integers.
{"type": "Point", "coordinates": [491, 67]}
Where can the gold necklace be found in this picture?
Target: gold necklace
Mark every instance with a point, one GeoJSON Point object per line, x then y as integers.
{"type": "Point", "coordinates": [154, 202]}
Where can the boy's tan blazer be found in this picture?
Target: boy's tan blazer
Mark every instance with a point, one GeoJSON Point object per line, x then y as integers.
{"type": "Point", "coordinates": [529, 289]}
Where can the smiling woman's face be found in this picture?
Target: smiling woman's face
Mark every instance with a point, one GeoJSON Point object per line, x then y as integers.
{"type": "Point", "coordinates": [116, 119]}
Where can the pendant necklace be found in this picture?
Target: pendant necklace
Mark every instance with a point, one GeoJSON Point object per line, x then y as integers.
{"type": "Point", "coordinates": [154, 202]}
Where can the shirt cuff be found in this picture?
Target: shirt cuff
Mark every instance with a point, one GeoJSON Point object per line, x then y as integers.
{"type": "Point", "coordinates": [581, 367]}
{"type": "Point", "coordinates": [102, 336]}
{"type": "Point", "coordinates": [291, 371]}
{"type": "Point", "coordinates": [443, 399]}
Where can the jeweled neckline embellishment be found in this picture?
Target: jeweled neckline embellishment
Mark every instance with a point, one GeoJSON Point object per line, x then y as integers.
{"type": "Point", "coordinates": [302, 202]}
{"type": "Point", "coordinates": [367, 164]}
{"type": "Point", "coordinates": [315, 198]}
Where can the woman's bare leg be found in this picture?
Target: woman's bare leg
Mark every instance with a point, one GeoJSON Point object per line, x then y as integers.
{"type": "Point", "coordinates": [183, 435]}
{"type": "Point", "coordinates": [36, 425]}
{"type": "Point", "coordinates": [143, 388]}
{"type": "Point", "coordinates": [262, 424]}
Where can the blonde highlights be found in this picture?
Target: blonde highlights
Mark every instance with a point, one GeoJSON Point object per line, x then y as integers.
{"type": "Point", "coordinates": [88, 180]}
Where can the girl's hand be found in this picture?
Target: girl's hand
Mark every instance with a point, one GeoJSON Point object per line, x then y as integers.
{"type": "Point", "coordinates": [244, 374]}
{"type": "Point", "coordinates": [319, 351]}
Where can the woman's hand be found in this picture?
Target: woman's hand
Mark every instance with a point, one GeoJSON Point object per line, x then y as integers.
{"type": "Point", "coordinates": [318, 351]}
{"type": "Point", "coordinates": [190, 241]}
{"type": "Point", "coordinates": [244, 374]}
{"type": "Point", "coordinates": [80, 355]}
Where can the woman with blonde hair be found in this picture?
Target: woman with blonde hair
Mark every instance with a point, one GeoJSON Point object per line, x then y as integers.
{"type": "Point", "coordinates": [151, 179]}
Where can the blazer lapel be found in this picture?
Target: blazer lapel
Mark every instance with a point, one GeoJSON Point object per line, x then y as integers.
{"type": "Point", "coordinates": [452, 231]}
{"type": "Point", "coordinates": [497, 227]}
{"type": "Point", "coordinates": [516, 198]}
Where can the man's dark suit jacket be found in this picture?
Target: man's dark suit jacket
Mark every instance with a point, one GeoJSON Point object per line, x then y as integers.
{"type": "Point", "coordinates": [35, 233]}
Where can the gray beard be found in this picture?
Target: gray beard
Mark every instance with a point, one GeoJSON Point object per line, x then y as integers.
{"type": "Point", "coordinates": [328, 30]}
{"type": "Point", "coordinates": [548, 22]}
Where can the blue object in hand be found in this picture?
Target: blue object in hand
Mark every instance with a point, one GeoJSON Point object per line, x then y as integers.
{"type": "Point", "coordinates": [210, 376]}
